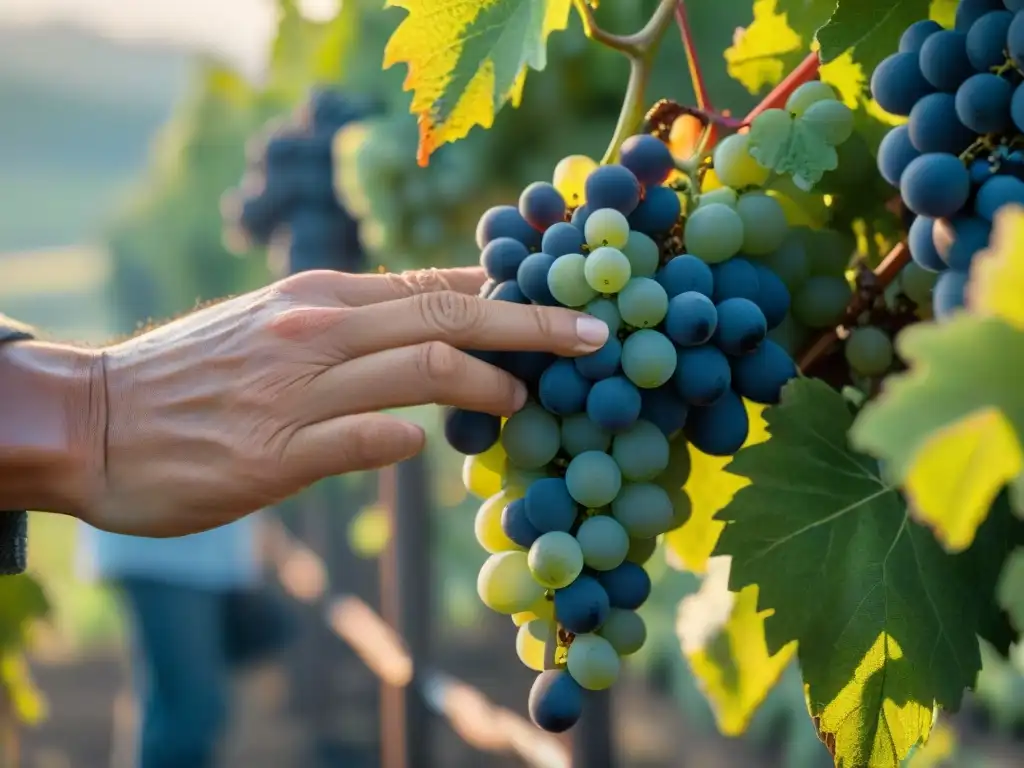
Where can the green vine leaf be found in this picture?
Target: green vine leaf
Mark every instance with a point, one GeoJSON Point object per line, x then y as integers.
{"type": "Point", "coordinates": [22, 601]}
{"type": "Point", "coordinates": [871, 27]}
{"type": "Point", "coordinates": [886, 622]}
{"type": "Point", "coordinates": [792, 146]}
{"type": "Point", "coordinates": [307, 53]}
{"type": "Point", "coordinates": [468, 58]}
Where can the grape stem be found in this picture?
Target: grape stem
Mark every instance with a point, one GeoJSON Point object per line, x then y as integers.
{"type": "Point", "coordinates": [640, 48]}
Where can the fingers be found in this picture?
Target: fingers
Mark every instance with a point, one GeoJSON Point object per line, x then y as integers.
{"type": "Point", "coordinates": [350, 444]}
{"type": "Point", "coordinates": [466, 322]}
{"type": "Point", "coordinates": [416, 375]}
{"type": "Point", "coordinates": [363, 290]}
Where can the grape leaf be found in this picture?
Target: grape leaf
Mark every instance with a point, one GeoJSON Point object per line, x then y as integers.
{"type": "Point", "coordinates": [307, 53]}
{"type": "Point", "coordinates": [997, 275]}
{"type": "Point", "coordinates": [22, 601]}
{"type": "Point", "coordinates": [467, 58]}
{"type": "Point", "coordinates": [872, 27]}
{"type": "Point", "coordinates": [886, 621]}
{"type": "Point", "coordinates": [792, 146]}
{"type": "Point", "coordinates": [722, 636]}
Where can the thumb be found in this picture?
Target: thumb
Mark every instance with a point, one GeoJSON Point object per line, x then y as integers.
{"type": "Point", "coordinates": [350, 444]}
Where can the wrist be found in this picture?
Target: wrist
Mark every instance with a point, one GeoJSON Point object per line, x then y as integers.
{"type": "Point", "coordinates": [52, 424]}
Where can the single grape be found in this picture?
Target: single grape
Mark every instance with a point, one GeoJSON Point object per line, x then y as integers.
{"type": "Point", "coordinates": [702, 375]}
{"type": "Point", "coordinates": [613, 186]}
{"type": "Point", "coordinates": [562, 238]}
{"type": "Point", "coordinates": [648, 358]}
{"type": "Point", "coordinates": [602, 363]}
{"type": "Point", "coordinates": [641, 452]}
{"type": "Point", "coordinates": [986, 40]}
{"type": "Point", "coordinates": [549, 505]}
{"type": "Point", "coordinates": [625, 630]}
{"type": "Point", "coordinates": [808, 94]}
{"type": "Point", "coordinates": [627, 586]}
{"type": "Point", "coordinates": [724, 195]}
{"type": "Point", "coordinates": [921, 243]}
{"type": "Point", "coordinates": [603, 541]}
{"type": "Point", "coordinates": [567, 281]}
{"type": "Point", "coordinates": [773, 296]}
{"type": "Point", "coordinates": [664, 408]}
{"type": "Point", "coordinates": [570, 178]}
{"type": "Point", "coordinates": [734, 165]}
{"type": "Point", "coordinates": [531, 643]}
{"type": "Point", "coordinates": [917, 283]}
{"type": "Point", "coordinates": [948, 294]}
{"type": "Point", "coordinates": [501, 258]}
{"type": "Point", "coordinates": [579, 217]}
{"type": "Point", "coordinates": [1015, 40]}
{"type": "Point", "coordinates": [913, 37]}
{"type": "Point", "coordinates": [735, 278]}
{"type": "Point", "coordinates": [935, 127]}
{"type": "Point", "coordinates": [691, 319]}
{"type": "Point", "coordinates": [508, 291]}
{"type": "Point", "coordinates": [531, 437]}
{"type": "Point", "coordinates": [969, 11]}
{"type": "Point", "coordinates": [614, 404]}
{"type": "Point", "coordinates": [607, 270]}
{"type": "Point", "coordinates": [719, 429]}
{"type": "Point", "coordinates": [505, 584]}
{"type": "Point", "coordinates": [541, 205]}
{"type": "Point", "coordinates": [944, 61]}
{"type": "Point", "coordinates": [607, 310]}
{"type": "Point", "coordinates": [648, 158]}
{"type": "Point", "coordinates": [580, 434]}
{"type": "Point", "coordinates": [582, 606]}
{"type": "Point", "coordinates": [895, 152]}
{"type": "Point", "coordinates": [470, 432]}
{"type": "Point", "coordinates": [480, 480]}
{"type": "Point", "coordinates": [741, 326]}
{"type": "Point", "coordinates": [556, 701]}
{"type": "Point", "coordinates": [593, 662]}
{"type": "Point", "coordinates": [790, 262]}
{"type": "Point", "coordinates": [764, 223]}
{"type": "Point", "coordinates": [563, 390]}
{"type": "Point", "coordinates": [983, 103]}
{"type": "Point", "coordinates": [833, 119]}
{"type": "Point", "coordinates": [532, 277]}
{"type": "Point", "coordinates": [555, 559]}
{"type": "Point", "coordinates": [516, 525]}
{"type": "Point", "coordinates": [606, 226]}
{"type": "Point", "coordinates": [897, 83]}
{"type": "Point", "coordinates": [643, 509]}
{"type": "Point", "coordinates": [997, 192]}
{"type": "Point", "coordinates": [643, 254]}
{"type": "Point", "coordinates": [686, 273]}
{"type": "Point", "coordinates": [641, 550]}
{"type": "Point", "coordinates": [1017, 103]}
{"type": "Point", "coordinates": [714, 233]}
{"type": "Point", "coordinates": [869, 351]}
{"type": "Point", "coordinates": [505, 221]}
{"type": "Point", "coordinates": [642, 303]}
{"type": "Point", "coordinates": [657, 213]}
{"type": "Point", "coordinates": [487, 525]}
{"type": "Point", "coordinates": [761, 375]}
{"type": "Point", "coordinates": [822, 301]}
{"type": "Point", "coordinates": [542, 609]}
{"type": "Point", "coordinates": [959, 240]}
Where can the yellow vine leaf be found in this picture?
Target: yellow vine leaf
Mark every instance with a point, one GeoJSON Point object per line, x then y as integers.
{"type": "Point", "coordinates": [710, 489]}
{"type": "Point", "coordinates": [467, 58]}
{"type": "Point", "coordinates": [997, 274]}
{"type": "Point", "coordinates": [757, 56]}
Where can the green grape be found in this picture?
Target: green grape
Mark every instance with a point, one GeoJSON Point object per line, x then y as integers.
{"type": "Point", "coordinates": [531, 437]}
{"type": "Point", "coordinates": [648, 358]}
{"type": "Point", "coordinates": [555, 560]}
{"type": "Point", "coordinates": [641, 550]}
{"type": "Point", "coordinates": [593, 479]}
{"type": "Point", "coordinates": [681, 506]}
{"type": "Point", "coordinates": [714, 233]}
{"type": "Point", "coordinates": [869, 351]}
{"type": "Point", "coordinates": [773, 126]}
{"type": "Point", "coordinates": [789, 335]}
{"type": "Point", "coordinates": [607, 310]}
{"type": "Point", "coordinates": [832, 118]}
{"type": "Point", "coordinates": [603, 541]}
{"type": "Point", "coordinates": [828, 251]}
{"type": "Point", "coordinates": [734, 166]}
{"type": "Point", "coordinates": [807, 94]}
{"type": "Point", "coordinates": [606, 227]}
{"type": "Point", "coordinates": [607, 270]}
{"type": "Point", "coordinates": [480, 480]}
{"type": "Point", "coordinates": [487, 524]}
{"type": "Point", "coordinates": [917, 284]}
{"type": "Point", "coordinates": [764, 223]}
{"type": "Point", "coordinates": [644, 509]}
{"type": "Point", "coordinates": [531, 643]}
{"type": "Point", "coordinates": [723, 195]}
{"type": "Point", "coordinates": [570, 178]}
{"type": "Point", "coordinates": [642, 452]}
{"type": "Point", "coordinates": [542, 609]}
{"type": "Point", "coordinates": [643, 303]}
{"type": "Point", "coordinates": [643, 254]}
{"type": "Point", "coordinates": [580, 434]}
{"type": "Point", "coordinates": [789, 261]}
{"type": "Point", "coordinates": [624, 630]}
{"type": "Point", "coordinates": [506, 585]}
{"type": "Point", "coordinates": [593, 662]}
{"type": "Point", "coordinates": [821, 302]}
{"type": "Point", "coordinates": [567, 282]}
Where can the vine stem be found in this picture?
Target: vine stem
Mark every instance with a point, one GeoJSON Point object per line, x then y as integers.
{"type": "Point", "coordinates": [700, 86]}
{"type": "Point", "coordinates": [639, 48]}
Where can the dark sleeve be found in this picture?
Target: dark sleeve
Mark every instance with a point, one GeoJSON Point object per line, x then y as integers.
{"type": "Point", "coordinates": [13, 525]}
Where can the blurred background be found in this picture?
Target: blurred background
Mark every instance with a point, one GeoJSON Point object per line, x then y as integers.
{"type": "Point", "coordinates": [135, 181]}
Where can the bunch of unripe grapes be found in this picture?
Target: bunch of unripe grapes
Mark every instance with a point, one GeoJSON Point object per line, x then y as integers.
{"type": "Point", "coordinates": [580, 483]}
{"type": "Point", "coordinates": [287, 193]}
{"type": "Point", "coordinates": [958, 159]}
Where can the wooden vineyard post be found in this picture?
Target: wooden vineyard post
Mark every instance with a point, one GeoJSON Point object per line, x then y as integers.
{"type": "Point", "coordinates": [593, 739]}
{"type": "Point", "coordinates": [406, 580]}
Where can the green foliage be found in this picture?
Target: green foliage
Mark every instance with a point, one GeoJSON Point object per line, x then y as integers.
{"type": "Point", "coordinates": [869, 27]}
{"type": "Point", "coordinates": [22, 603]}
{"type": "Point", "coordinates": [794, 147]}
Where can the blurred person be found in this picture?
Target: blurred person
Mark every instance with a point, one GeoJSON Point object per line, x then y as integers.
{"type": "Point", "coordinates": [227, 410]}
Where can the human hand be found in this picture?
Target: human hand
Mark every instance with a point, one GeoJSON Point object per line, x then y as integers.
{"type": "Point", "coordinates": [246, 402]}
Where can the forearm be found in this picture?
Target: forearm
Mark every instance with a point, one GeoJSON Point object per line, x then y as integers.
{"type": "Point", "coordinates": [51, 424]}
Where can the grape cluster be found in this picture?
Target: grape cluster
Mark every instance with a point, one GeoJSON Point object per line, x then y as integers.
{"type": "Point", "coordinates": [956, 161]}
{"type": "Point", "coordinates": [581, 482]}
{"type": "Point", "coordinates": [288, 188]}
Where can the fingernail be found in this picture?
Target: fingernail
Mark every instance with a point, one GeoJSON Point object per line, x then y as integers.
{"type": "Point", "coordinates": [591, 331]}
